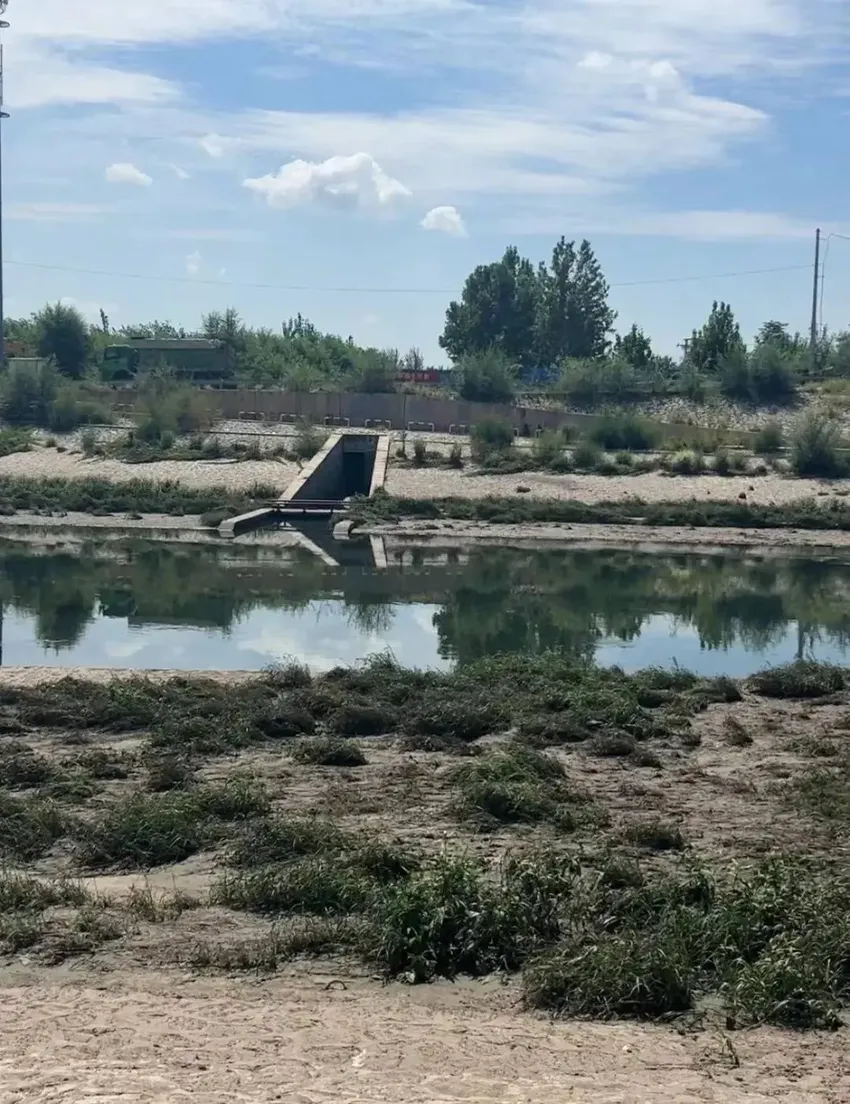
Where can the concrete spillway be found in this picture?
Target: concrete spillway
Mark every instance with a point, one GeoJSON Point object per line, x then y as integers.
{"type": "Point", "coordinates": [348, 464]}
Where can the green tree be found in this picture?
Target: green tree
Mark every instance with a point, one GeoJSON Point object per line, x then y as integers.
{"type": "Point", "coordinates": [573, 316]}
{"type": "Point", "coordinates": [497, 310]}
{"type": "Point", "coordinates": [776, 334]}
{"type": "Point", "coordinates": [63, 336]}
{"type": "Point", "coordinates": [716, 340]}
{"type": "Point", "coordinates": [635, 348]}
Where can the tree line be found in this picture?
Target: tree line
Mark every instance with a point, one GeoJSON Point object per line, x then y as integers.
{"type": "Point", "coordinates": [516, 327]}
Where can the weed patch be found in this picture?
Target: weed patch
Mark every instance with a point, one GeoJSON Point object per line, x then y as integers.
{"type": "Point", "coordinates": [329, 751]}
{"type": "Point", "coordinates": [800, 679]}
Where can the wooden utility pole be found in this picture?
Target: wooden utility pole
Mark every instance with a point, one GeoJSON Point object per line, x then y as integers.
{"type": "Point", "coordinates": [815, 294]}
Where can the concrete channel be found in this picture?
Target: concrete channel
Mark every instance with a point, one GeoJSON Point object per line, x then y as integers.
{"type": "Point", "coordinates": [348, 464]}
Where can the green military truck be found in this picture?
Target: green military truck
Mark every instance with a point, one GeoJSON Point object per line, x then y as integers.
{"type": "Point", "coordinates": [198, 361]}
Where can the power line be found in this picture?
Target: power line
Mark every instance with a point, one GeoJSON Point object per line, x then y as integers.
{"type": "Point", "coordinates": [200, 281]}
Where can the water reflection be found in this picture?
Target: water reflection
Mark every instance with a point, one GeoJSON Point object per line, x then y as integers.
{"type": "Point", "coordinates": [147, 604]}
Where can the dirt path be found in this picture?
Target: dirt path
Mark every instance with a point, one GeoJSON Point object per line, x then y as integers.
{"type": "Point", "coordinates": [157, 1039]}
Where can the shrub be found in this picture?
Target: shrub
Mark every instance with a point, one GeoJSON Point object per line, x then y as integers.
{"type": "Point", "coordinates": [800, 679]}
{"type": "Point", "coordinates": [21, 768]}
{"type": "Point", "coordinates": [282, 840]}
{"type": "Point", "coordinates": [815, 441]}
{"type": "Point", "coordinates": [308, 441]}
{"type": "Point", "coordinates": [770, 439]}
{"type": "Point", "coordinates": [456, 457]}
{"type": "Point", "coordinates": [89, 442]}
{"type": "Point", "coordinates": [486, 377]}
{"type": "Point", "coordinates": [547, 448]}
{"type": "Point", "coordinates": [420, 453]}
{"type": "Point", "coordinates": [656, 836]}
{"type": "Point", "coordinates": [491, 435]}
{"type": "Point", "coordinates": [624, 431]}
{"type": "Point", "coordinates": [329, 751]}
{"type": "Point", "coordinates": [722, 463]}
{"type": "Point", "coordinates": [624, 459]}
{"type": "Point", "coordinates": [587, 455]}
{"type": "Point", "coordinates": [687, 462]}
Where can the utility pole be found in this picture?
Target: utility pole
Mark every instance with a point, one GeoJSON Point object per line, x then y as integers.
{"type": "Point", "coordinates": [815, 296]}
{"type": "Point", "coordinates": [4, 25]}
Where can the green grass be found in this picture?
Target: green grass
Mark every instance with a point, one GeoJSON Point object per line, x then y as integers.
{"type": "Point", "coordinates": [29, 827]}
{"type": "Point", "coordinates": [524, 510]}
{"type": "Point", "coordinates": [134, 496]}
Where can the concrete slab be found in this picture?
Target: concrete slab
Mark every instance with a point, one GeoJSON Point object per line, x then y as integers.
{"type": "Point", "coordinates": [231, 528]}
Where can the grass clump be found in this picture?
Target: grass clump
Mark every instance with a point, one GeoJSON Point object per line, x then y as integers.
{"type": "Point", "coordinates": [801, 679]}
{"type": "Point", "coordinates": [452, 716]}
{"type": "Point", "coordinates": [316, 885]}
{"type": "Point", "coordinates": [512, 785]}
{"type": "Point", "coordinates": [453, 918]}
{"type": "Point", "coordinates": [357, 718]}
{"type": "Point", "coordinates": [148, 830]}
{"type": "Point", "coordinates": [29, 827]}
{"type": "Point", "coordinates": [656, 836]}
{"type": "Point", "coordinates": [636, 976]}
{"type": "Point", "coordinates": [586, 455]}
{"type": "Point", "coordinates": [281, 840]}
{"type": "Point", "coordinates": [329, 751]}
{"type": "Point", "coordinates": [21, 768]}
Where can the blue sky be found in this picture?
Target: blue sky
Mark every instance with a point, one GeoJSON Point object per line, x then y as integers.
{"type": "Point", "coordinates": [354, 159]}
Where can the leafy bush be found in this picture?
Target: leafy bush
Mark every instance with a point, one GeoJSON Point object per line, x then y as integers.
{"type": "Point", "coordinates": [456, 457]}
{"type": "Point", "coordinates": [815, 441]}
{"type": "Point", "coordinates": [486, 377]}
{"type": "Point", "coordinates": [587, 455]}
{"type": "Point", "coordinates": [491, 435]}
{"type": "Point", "coordinates": [420, 453]}
{"type": "Point", "coordinates": [770, 439]}
{"type": "Point", "coordinates": [28, 827]}
{"type": "Point", "coordinates": [308, 441]}
{"type": "Point", "coordinates": [687, 462]}
{"type": "Point", "coordinates": [624, 431]}
{"type": "Point", "coordinates": [547, 448]}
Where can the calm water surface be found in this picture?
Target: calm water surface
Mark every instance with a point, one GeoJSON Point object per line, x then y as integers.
{"type": "Point", "coordinates": [145, 604]}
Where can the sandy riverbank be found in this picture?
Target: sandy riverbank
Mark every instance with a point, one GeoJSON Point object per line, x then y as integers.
{"type": "Point", "coordinates": [772, 489]}
{"type": "Point", "coordinates": [46, 463]}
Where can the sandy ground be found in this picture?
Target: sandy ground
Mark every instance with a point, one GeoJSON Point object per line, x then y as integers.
{"type": "Point", "coordinates": [235, 476]}
{"type": "Point", "coordinates": [159, 1039]}
{"type": "Point", "coordinates": [650, 487]}
{"type": "Point", "coordinates": [643, 538]}
{"type": "Point", "coordinates": [131, 1024]}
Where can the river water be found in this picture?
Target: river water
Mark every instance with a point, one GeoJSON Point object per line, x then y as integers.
{"type": "Point", "coordinates": [146, 604]}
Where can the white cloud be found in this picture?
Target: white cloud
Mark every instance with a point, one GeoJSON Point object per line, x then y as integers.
{"type": "Point", "coordinates": [446, 220]}
{"type": "Point", "coordinates": [346, 182]}
{"type": "Point", "coordinates": [194, 264]}
{"type": "Point", "coordinates": [214, 145]}
{"type": "Point", "coordinates": [123, 172]}
{"type": "Point", "coordinates": [181, 174]}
